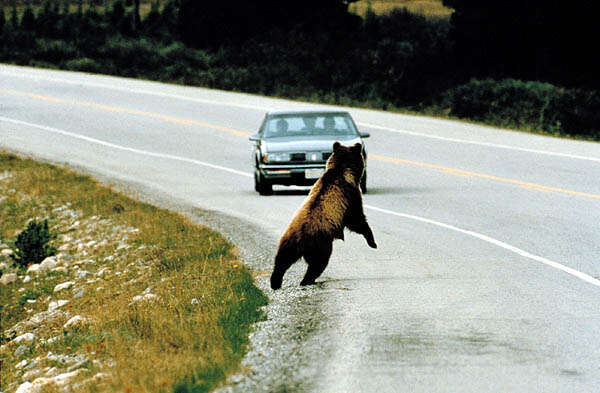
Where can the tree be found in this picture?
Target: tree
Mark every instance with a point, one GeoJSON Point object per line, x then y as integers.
{"type": "Point", "coordinates": [213, 23]}
{"type": "Point", "coordinates": [28, 19]}
{"type": "Point", "coordinates": [14, 17]}
{"type": "Point", "coordinates": [48, 18]}
{"type": "Point", "coordinates": [2, 21]}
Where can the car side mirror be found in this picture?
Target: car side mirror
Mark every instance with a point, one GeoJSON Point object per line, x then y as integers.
{"type": "Point", "coordinates": [364, 134]}
{"type": "Point", "coordinates": [254, 138]}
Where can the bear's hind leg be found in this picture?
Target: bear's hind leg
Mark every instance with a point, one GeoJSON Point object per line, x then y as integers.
{"type": "Point", "coordinates": [317, 259]}
{"type": "Point", "coordinates": [286, 256]}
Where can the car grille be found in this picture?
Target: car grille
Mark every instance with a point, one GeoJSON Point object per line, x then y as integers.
{"type": "Point", "coordinates": [298, 156]}
{"type": "Point", "coordinates": [326, 156]}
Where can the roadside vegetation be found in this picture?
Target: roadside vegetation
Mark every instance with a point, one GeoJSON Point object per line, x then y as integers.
{"type": "Point", "coordinates": [104, 293]}
{"type": "Point", "coordinates": [506, 63]}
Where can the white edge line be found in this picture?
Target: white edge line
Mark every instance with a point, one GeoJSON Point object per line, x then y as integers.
{"type": "Point", "coordinates": [265, 108]}
{"type": "Point", "coordinates": [134, 90]}
{"type": "Point", "coordinates": [487, 144]}
{"type": "Point", "coordinates": [582, 276]}
{"type": "Point", "coordinates": [556, 265]}
{"type": "Point", "coordinates": [129, 149]}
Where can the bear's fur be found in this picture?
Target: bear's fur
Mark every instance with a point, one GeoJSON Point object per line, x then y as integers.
{"type": "Point", "coordinates": [334, 203]}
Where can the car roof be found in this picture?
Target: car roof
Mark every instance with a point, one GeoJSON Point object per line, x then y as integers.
{"type": "Point", "coordinates": [306, 111]}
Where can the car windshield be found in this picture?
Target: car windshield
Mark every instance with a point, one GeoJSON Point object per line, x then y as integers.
{"type": "Point", "coordinates": [334, 124]}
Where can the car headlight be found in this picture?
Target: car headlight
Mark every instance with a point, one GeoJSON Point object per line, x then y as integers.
{"type": "Point", "coordinates": [276, 157]}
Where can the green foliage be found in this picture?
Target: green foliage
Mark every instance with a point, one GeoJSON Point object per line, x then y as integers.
{"type": "Point", "coordinates": [55, 51]}
{"type": "Point", "coordinates": [32, 244]}
{"type": "Point", "coordinates": [534, 105]}
{"type": "Point", "coordinates": [84, 64]}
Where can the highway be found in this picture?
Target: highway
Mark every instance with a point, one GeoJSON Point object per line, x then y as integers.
{"type": "Point", "coordinates": [487, 272]}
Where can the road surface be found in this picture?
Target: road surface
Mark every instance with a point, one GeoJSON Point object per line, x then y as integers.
{"type": "Point", "coordinates": [486, 275]}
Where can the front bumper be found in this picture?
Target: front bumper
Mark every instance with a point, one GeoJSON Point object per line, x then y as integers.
{"type": "Point", "coordinates": [291, 174]}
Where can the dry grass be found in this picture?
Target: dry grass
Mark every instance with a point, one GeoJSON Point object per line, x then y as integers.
{"type": "Point", "coordinates": [429, 8]}
{"type": "Point", "coordinates": [190, 335]}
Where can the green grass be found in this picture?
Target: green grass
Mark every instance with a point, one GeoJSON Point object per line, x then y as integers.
{"type": "Point", "coordinates": [165, 344]}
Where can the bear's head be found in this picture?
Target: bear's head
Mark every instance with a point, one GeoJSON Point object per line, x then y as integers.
{"type": "Point", "coordinates": [349, 160]}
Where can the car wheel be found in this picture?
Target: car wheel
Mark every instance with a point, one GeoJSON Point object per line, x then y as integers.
{"type": "Point", "coordinates": [261, 185]}
{"type": "Point", "coordinates": [363, 183]}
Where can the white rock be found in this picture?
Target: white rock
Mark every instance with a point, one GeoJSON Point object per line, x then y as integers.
{"type": "Point", "coordinates": [53, 339]}
{"type": "Point", "coordinates": [76, 321]}
{"type": "Point", "coordinates": [48, 264]}
{"type": "Point", "coordinates": [32, 374]}
{"type": "Point", "coordinates": [7, 252]}
{"type": "Point", "coordinates": [42, 384]}
{"type": "Point", "coordinates": [91, 243]}
{"type": "Point", "coordinates": [102, 271]}
{"type": "Point", "coordinates": [64, 378]}
{"type": "Point", "coordinates": [21, 364]}
{"type": "Point", "coordinates": [64, 285]}
{"type": "Point", "coordinates": [136, 298]}
{"type": "Point", "coordinates": [3, 266]}
{"type": "Point", "coordinates": [150, 296]}
{"type": "Point", "coordinates": [8, 278]}
{"type": "Point", "coordinates": [26, 338]}
{"type": "Point", "coordinates": [56, 304]}
{"type": "Point", "coordinates": [60, 269]}
{"type": "Point", "coordinates": [26, 279]}
{"type": "Point", "coordinates": [26, 387]}
{"type": "Point", "coordinates": [35, 268]}
{"type": "Point", "coordinates": [81, 274]}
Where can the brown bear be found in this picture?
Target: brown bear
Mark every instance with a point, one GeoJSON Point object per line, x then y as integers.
{"type": "Point", "coordinates": [334, 203]}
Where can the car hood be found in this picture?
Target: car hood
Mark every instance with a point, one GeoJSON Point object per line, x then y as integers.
{"type": "Point", "coordinates": [306, 144]}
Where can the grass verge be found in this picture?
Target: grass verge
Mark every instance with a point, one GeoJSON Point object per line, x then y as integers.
{"type": "Point", "coordinates": [163, 304]}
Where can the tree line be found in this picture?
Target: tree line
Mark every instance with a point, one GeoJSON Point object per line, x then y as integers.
{"type": "Point", "coordinates": [487, 54]}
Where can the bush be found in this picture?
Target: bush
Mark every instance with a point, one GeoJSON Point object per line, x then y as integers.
{"type": "Point", "coordinates": [54, 51]}
{"type": "Point", "coordinates": [532, 105]}
{"type": "Point", "coordinates": [84, 64]}
{"type": "Point", "coordinates": [32, 244]}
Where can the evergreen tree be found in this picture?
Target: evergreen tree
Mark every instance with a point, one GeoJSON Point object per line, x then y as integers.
{"type": "Point", "coordinates": [2, 21]}
{"type": "Point", "coordinates": [14, 17]}
{"type": "Point", "coordinates": [28, 19]}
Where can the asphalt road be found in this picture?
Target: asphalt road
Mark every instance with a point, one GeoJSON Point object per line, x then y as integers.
{"type": "Point", "coordinates": [486, 275]}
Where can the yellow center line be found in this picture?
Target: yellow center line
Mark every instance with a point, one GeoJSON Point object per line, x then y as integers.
{"type": "Point", "coordinates": [391, 160]}
{"type": "Point", "coordinates": [116, 109]}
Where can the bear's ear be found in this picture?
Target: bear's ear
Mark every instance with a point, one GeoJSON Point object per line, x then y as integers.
{"type": "Point", "coordinates": [357, 147]}
{"type": "Point", "coordinates": [336, 146]}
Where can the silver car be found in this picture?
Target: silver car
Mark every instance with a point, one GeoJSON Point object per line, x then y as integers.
{"type": "Point", "coordinates": [292, 147]}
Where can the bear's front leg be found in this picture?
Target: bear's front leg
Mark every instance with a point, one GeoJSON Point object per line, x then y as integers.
{"type": "Point", "coordinates": [361, 226]}
{"type": "Point", "coordinates": [368, 234]}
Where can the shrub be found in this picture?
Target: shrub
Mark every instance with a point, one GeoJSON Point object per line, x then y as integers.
{"type": "Point", "coordinates": [533, 105]}
{"type": "Point", "coordinates": [84, 64]}
{"type": "Point", "coordinates": [54, 51]}
{"type": "Point", "coordinates": [32, 244]}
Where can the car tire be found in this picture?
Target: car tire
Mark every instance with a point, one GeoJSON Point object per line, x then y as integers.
{"type": "Point", "coordinates": [363, 183]}
{"type": "Point", "coordinates": [261, 185]}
